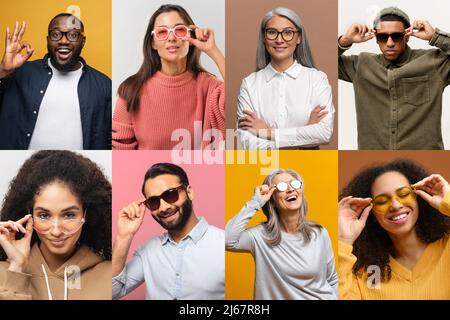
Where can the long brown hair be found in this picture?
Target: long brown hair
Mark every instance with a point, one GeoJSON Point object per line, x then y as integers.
{"type": "Point", "coordinates": [130, 89]}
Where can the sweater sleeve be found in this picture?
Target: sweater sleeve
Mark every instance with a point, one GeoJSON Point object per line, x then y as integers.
{"type": "Point", "coordinates": [444, 207]}
{"type": "Point", "coordinates": [215, 112]}
{"type": "Point", "coordinates": [348, 283]}
{"type": "Point", "coordinates": [14, 285]}
{"type": "Point", "coordinates": [237, 238]}
{"type": "Point", "coordinates": [123, 136]}
{"type": "Point", "coordinates": [332, 277]}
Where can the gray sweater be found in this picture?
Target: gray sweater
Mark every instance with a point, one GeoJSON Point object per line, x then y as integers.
{"type": "Point", "coordinates": [292, 270]}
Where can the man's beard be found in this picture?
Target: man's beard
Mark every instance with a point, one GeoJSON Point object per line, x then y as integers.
{"type": "Point", "coordinates": [183, 216]}
{"type": "Point", "coordinates": [69, 65]}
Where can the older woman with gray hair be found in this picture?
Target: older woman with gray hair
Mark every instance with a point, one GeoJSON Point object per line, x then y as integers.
{"type": "Point", "coordinates": [293, 256]}
{"type": "Point", "coordinates": [286, 102]}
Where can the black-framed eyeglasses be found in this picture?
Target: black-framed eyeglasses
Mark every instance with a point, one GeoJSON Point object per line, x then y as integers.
{"type": "Point", "coordinates": [72, 35]}
{"type": "Point", "coordinates": [395, 36]}
{"type": "Point", "coordinates": [170, 196]}
{"type": "Point", "coordinates": [286, 34]}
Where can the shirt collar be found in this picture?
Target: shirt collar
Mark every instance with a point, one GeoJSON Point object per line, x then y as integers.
{"type": "Point", "coordinates": [293, 71]}
{"type": "Point", "coordinates": [195, 234]}
{"type": "Point", "coordinates": [403, 59]}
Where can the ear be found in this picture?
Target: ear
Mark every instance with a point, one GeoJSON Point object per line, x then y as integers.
{"type": "Point", "coordinates": [190, 193]}
{"type": "Point", "coordinates": [153, 44]}
{"type": "Point", "coordinates": [299, 40]}
{"type": "Point", "coordinates": [83, 42]}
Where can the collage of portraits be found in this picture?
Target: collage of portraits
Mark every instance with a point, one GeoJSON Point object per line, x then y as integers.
{"type": "Point", "coordinates": [129, 170]}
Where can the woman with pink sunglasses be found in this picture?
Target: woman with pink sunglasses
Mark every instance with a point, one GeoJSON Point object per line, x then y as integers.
{"type": "Point", "coordinates": [172, 95]}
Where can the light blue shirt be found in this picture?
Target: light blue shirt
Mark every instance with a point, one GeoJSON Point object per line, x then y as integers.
{"type": "Point", "coordinates": [193, 269]}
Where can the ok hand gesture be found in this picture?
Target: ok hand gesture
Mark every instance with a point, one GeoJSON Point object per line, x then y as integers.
{"type": "Point", "coordinates": [13, 59]}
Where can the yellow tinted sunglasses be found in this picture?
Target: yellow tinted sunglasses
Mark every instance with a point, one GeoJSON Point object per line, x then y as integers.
{"type": "Point", "coordinates": [382, 202]}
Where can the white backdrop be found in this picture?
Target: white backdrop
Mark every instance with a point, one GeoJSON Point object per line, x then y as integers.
{"type": "Point", "coordinates": [11, 161]}
{"type": "Point", "coordinates": [364, 11]}
{"type": "Point", "coordinates": [130, 21]}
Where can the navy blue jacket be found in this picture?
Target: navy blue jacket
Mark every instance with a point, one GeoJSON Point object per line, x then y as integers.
{"type": "Point", "coordinates": [21, 94]}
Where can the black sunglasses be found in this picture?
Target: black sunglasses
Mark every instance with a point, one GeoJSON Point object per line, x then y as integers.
{"type": "Point", "coordinates": [395, 36]}
{"type": "Point", "coordinates": [170, 196]}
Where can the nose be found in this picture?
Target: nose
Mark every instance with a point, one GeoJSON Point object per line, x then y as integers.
{"type": "Point", "coordinates": [390, 43]}
{"type": "Point", "coordinates": [395, 205]}
{"type": "Point", "coordinates": [171, 36]}
{"type": "Point", "coordinates": [55, 231]}
{"type": "Point", "coordinates": [64, 39]}
{"type": "Point", "coordinates": [163, 205]}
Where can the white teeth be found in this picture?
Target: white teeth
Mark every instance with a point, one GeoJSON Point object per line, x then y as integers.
{"type": "Point", "coordinates": [291, 198]}
{"type": "Point", "coordinates": [403, 215]}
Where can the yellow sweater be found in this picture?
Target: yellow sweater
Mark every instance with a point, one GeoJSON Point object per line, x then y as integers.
{"type": "Point", "coordinates": [429, 279]}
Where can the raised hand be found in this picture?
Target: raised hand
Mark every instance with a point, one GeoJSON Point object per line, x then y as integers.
{"type": "Point", "coordinates": [352, 217]}
{"type": "Point", "coordinates": [432, 189]}
{"type": "Point", "coordinates": [264, 192]}
{"type": "Point", "coordinates": [355, 34]}
{"type": "Point", "coordinates": [18, 251]}
{"type": "Point", "coordinates": [130, 219]}
{"type": "Point", "coordinates": [252, 123]}
{"type": "Point", "coordinates": [421, 29]}
{"type": "Point", "coordinates": [205, 40]}
{"type": "Point", "coordinates": [13, 59]}
{"type": "Point", "coordinates": [317, 114]}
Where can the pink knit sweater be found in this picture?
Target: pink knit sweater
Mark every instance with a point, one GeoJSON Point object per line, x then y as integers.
{"type": "Point", "coordinates": [168, 103]}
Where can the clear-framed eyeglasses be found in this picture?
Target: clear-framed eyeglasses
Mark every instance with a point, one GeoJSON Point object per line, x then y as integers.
{"type": "Point", "coordinates": [68, 225]}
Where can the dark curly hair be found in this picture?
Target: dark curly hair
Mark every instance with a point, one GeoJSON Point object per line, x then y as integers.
{"type": "Point", "coordinates": [85, 179]}
{"type": "Point", "coordinates": [374, 246]}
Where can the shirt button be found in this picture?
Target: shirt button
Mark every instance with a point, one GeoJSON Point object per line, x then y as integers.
{"type": "Point", "coordinates": [35, 112]}
{"type": "Point", "coordinates": [42, 91]}
{"type": "Point", "coordinates": [49, 73]}
{"type": "Point", "coordinates": [177, 274]}
{"type": "Point", "coordinates": [28, 134]}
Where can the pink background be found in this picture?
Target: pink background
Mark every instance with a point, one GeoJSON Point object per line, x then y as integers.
{"type": "Point", "coordinates": [129, 168]}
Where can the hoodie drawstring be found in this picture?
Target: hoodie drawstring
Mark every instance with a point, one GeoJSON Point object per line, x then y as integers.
{"type": "Point", "coordinates": [48, 286]}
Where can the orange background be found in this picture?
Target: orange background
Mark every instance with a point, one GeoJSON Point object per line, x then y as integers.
{"type": "Point", "coordinates": [96, 16]}
{"type": "Point", "coordinates": [319, 172]}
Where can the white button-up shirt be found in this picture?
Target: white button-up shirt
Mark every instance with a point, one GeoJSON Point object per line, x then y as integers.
{"type": "Point", "coordinates": [193, 269]}
{"type": "Point", "coordinates": [284, 100]}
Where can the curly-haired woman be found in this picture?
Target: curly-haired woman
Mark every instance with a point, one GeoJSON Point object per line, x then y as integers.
{"type": "Point", "coordinates": [66, 199]}
{"type": "Point", "coordinates": [394, 228]}
{"type": "Point", "coordinates": [293, 256]}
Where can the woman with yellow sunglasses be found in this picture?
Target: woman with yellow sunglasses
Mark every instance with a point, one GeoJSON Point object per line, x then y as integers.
{"type": "Point", "coordinates": [394, 228]}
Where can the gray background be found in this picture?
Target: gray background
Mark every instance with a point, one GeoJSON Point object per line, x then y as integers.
{"type": "Point", "coordinates": [364, 11]}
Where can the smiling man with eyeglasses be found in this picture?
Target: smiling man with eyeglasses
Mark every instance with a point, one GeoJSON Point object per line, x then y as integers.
{"type": "Point", "coordinates": [398, 93]}
{"type": "Point", "coordinates": [185, 263]}
{"type": "Point", "coordinates": [58, 102]}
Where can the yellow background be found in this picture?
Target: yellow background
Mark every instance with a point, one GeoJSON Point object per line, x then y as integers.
{"type": "Point", "coordinates": [319, 172]}
{"type": "Point", "coordinates": [96, 17]}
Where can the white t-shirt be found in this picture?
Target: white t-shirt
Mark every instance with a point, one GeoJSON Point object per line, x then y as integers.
{"type": "Point", "coordinates": [284, 100]}
{"type": "Point", "coordinates": [58, 124]}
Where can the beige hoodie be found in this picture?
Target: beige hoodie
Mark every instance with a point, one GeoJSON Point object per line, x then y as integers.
{"type": "Point", "coordinates": [85, 276]}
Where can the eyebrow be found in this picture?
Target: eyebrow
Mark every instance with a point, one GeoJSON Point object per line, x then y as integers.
{"type": "Point", "coordinates": [74, 207]}
{"type": "Point", "coordinates": [178, 24]}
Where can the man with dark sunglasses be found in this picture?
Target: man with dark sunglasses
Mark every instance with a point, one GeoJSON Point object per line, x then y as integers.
{"type": "Point", "coordinates": [398, 93]}
{"type": "Point", "coordinates": [186, 262]}
{"type": "Point", "coordinates": [58, 102]}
